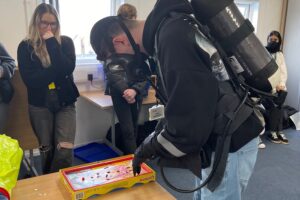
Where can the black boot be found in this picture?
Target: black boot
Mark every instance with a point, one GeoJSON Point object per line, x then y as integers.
{"type": "Point", "coordinates": [46, 158]}
{"type": "Point", "coordinates": [62, 159]}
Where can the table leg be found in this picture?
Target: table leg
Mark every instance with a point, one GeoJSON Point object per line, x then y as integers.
{"type": "Point", "coordinates": [113, 133]}
{"type": "Point", "coordinates": [29, 163]}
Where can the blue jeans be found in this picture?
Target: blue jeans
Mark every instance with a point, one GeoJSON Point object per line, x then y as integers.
{"type": "Point", "coordinates": [237, 173]}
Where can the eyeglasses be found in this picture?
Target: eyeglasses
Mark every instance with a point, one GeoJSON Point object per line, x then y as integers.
{"type": "Point", "coordinates": [44, 24]}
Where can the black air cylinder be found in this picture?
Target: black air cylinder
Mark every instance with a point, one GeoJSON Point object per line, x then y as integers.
{"type": "Point", "coordinates": [235, 35]}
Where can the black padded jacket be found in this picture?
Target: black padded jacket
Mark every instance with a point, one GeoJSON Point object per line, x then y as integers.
{"type": "Point", "coordinates": [7, 66]}
{"type": "Point", "coordinates": [122, 72]}
{"type": "Point", "coordinates": [37, 78]}
{"type": "Point", "coordinates": [192, 73]}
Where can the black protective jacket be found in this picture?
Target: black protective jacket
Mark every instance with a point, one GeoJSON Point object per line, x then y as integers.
{"type": "Point", "coordinates": [7, 65]}
{"type": "Point", "coordinates": [192, 72]}
{"type": "Point", "coordinates": [123, 72]}
{"type": "Point", "coordinates": [37, 78]}
{"type": "Point", "coordinates": [191, 87]}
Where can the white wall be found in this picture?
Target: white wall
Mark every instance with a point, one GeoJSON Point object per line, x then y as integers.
{"type": "Point", "coordinates": [14, 19]}
{"type": "Point", "coordinates": [291, 52]}
{"type": "Point", "coordinates": [92, 122]}
{"type": "Point", "coordinates": [269, 18]}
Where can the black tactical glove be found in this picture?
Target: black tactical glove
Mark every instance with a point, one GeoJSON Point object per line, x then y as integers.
{"type": "Point", "coordinates": [281, 96]}
{"type": "Point", "coordinates": [150, 149]}
{"type": "Point", "coordinates": [147, 150]}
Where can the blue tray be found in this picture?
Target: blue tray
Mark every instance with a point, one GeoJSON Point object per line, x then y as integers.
{"type": "Point", "coordinates": [94, 152]}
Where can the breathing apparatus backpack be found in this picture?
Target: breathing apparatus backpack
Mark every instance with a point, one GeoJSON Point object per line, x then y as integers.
{"type": "Point", "coordinates": [234, 34]}
{"type": "Point", "coordinates": [233, 37]}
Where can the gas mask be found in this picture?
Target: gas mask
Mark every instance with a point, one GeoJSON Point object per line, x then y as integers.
{"type": "Point", "coordinates": [134, 66]}
{"type": "Point", "coordinates": [129, 67]}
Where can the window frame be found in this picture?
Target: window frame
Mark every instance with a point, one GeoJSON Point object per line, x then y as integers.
{"type": "Point", "coordinates": [251, 6]}
{"type": "Point", "coordinates": [84, 60]}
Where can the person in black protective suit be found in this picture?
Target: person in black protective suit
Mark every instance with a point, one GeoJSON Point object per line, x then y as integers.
{"type": "Point", "coordinates": [191, 71]}
{"type": "Point", "coordinates": [125, 85]}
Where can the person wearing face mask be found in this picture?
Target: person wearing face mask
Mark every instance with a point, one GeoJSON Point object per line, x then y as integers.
{"type": "Point", "coordinates": [126, 86]}
{"type": "Point", "coordinates": [46, 62]}
{"type": "Point", "coordinates": [274, 106]}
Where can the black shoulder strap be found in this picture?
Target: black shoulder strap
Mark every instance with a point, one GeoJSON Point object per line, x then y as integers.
{"type": "Point", "coordinates": [161, 94]}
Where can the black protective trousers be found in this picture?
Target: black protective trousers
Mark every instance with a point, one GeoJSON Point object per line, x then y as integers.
{"type": "Point", "coordinates": [128, 118]}
{"type": "Point", "coordinates": [274, 115]}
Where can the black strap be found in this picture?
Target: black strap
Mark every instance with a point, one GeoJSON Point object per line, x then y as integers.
{"type": "Point", "coordinates": [129, 36]}
{"type": "Point", "coordinates": [229, 43]}
{"type": "Point", "coordinates": [221, 155]}
{"type": "Point", "coordinates": [222, 151]}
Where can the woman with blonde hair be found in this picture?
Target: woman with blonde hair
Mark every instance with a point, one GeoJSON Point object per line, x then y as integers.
{"type": "Point", "coordinates": [127, 11]}
{"type": "Point", "coordinates": [46, 62]}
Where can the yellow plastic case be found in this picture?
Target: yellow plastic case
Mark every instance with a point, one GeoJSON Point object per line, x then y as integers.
{"type": "Point", "coordinates": [102, 177]}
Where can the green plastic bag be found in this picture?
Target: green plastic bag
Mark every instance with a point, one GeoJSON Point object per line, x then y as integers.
{"type": "Point", "coordinates": [10, 159]}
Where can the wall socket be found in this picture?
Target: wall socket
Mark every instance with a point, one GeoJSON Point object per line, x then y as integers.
{"type": "Point", "coordinates": [90, 77]}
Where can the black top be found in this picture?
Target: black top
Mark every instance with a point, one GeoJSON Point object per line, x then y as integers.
{"type": "Point", "coordinates": [123, 72]}
{"type": "Point", "coordinates": [7, 66]}
{"type": "Point", "coordinates": [191, 87]}
{"type": "Point", "coordinates": [37, 78]}
{"type": "Point", "coordinates": [161, 9]}
{"type": "Point", "coordinates": [7, 63]}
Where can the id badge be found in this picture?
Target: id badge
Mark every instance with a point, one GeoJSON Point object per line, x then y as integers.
{"type": "Point", "coordinates": [156, 112]}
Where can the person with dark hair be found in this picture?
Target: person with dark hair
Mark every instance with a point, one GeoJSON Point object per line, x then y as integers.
{"type": "Point", "coordinates": [274, 106]}
{"type": "Point", "coordinates": [46, 62]}
{"type": "Point", "coordinates": [127, 11]}
{"type": "Point", "coordinates": [188, 65]}
{"type": "Point", "coordinates": [7, 67]}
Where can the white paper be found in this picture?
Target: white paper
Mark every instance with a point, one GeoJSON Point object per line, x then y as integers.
{"type": "Point", "coordinates": [296, 120]}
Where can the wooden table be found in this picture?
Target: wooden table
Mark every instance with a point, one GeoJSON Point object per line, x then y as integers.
{"type": "Point", "coordinates": [104, 101]}
{"type": "Point", "coordinates": [49, 187]}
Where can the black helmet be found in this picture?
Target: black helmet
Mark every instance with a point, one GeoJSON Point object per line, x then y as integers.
{"type": "Point", "coordinates": [99, 37]}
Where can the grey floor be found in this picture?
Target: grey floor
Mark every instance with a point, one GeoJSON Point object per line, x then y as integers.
{"type": "Point", "coordinates": [276, 175]}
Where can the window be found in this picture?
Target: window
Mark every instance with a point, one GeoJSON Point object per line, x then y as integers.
{"type": "Point", "coordinates": [249, 9]}
{"type": "Point", "coordinates": [78, 17]}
